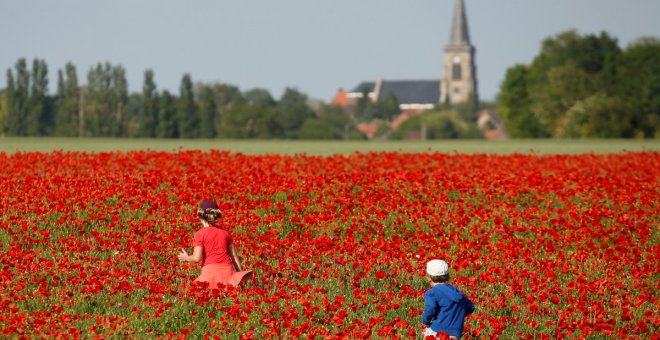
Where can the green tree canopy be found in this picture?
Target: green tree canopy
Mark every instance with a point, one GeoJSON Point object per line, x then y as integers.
{"type": "Point", "coordinates": [292, 112]}
{"type": "Point", "coordinates": [515, 105]}
{"type": "Point", "coordinates": [598, 116]}
{"type": "Point", "coordinates": [574, 73]}
{"type": "Point", "coordinates": [437, 124]}
{"type": "Point", "coordinates": [219, 98]}
{"type": "Point", "coordinates": [638, 81]}
{"type": "Point", "coordinates": [250, 121]}
{"type": "Point", "coordinates": [333, 122]}
{"type": "Point", "coordinates": [259, 96]}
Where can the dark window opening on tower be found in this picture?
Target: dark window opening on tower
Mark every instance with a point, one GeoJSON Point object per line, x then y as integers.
{"type": "Point", "coordinates": [456, 71]}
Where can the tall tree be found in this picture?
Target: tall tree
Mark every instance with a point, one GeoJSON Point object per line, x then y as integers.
{"type": "Point", "coordinates": [292, 112]}
{"type": "Point", "coordinates": [119, 102]}
{"type": "Point", "coordinates": [515, 105]}
{"type": "Point", "coordinates": [638, 81]}
{"type": "Point", "coordinates": [226, 97]}
{"type": "Point", "coordinates": [167, 112]}
{"type": "Point", "coordinates": [207, 112]}
{"type": "Point", "coordinates": [4, 108]}
{"type": "Point", "coordinates": [60, 119]}
{"type": "Point", "coordinates": [566, 85]}
{"type": "Point", "coordinates": [67, 104]}
{"type": "Point", "coordinates": [105, 101]}
{"type": "Point", "coordinates": [132, 112]}
{"type": "Point", "coordinates": [39, 116]}
{"type": "Point", "coordinates": [598, 116]}
{"type": "Point", "coordinates": [149, 110]}
{"type": "Point", "coordinates": [188, 116]}
{"type": "Point", "coordinates": [333, 122]}
{"type": "Point", "coordinates": [259, 96]}
{"type": "Point", "coordinates": [18, 97]}
{"type": "Point", "coordinates": [97, 101]}
{"type": "Point", "coordinates": [250, 121]}
{"type": "Point", "coordinates": [570, 70]}
{"type": "Point", "coordinates": [10, 118]}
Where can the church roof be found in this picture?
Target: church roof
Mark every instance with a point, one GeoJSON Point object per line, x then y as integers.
{"type": "Point", "coordinates": [364, 86]}
{"type": "Point", "coordinates": [459, 29]}
{"type": "Point", "coordinates": [412, 91]}
{"type": "Point", "coordinates": [405, 91]}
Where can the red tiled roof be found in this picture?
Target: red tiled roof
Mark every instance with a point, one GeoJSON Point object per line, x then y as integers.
{"type": "Point", "coordinates": [340, 99]}
{"type": "Point", "coordinates": [398, 120]}
{"type": "Point", "coordinates": [367, 129]}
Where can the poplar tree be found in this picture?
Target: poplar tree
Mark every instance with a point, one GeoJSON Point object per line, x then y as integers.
{"type": "Point", "coordinates": [96, 101]}
{"type": "Point", "coordinates": [167, 111]}
{"type": "Point", "coordinates": [10, 96]}
{"type": "Point", "coordinates": [18, 99]}
{"type": "Point", "coordinates": [39, 118]}
{"type": "Point", "coordinates": [119, 103]}
{"type": "Point", "coordinates": [207, 112]}
{"type": "Point", "coordinates": [106, 101]}
{"type": "Point", "coordinates": [187, 115]}
{"type": "Point", "coordinates": [4, 100]}
{"type": "Point", "coordinates": [67, 103]}
{"type": "Point", "coordinates": [149, 110]}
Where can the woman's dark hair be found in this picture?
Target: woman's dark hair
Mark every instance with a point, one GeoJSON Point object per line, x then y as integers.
{"type": "Point", "coordinates": [210, 215]}
{"type": "Point", "coordinates": [440, 279]}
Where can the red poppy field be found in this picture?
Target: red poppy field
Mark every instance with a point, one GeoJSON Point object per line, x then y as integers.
{"type": "Point", "coordinates": [545, 246]}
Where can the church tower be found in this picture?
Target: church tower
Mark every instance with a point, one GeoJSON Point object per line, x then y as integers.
{"type": "Point", "coordinates": [459, 82]}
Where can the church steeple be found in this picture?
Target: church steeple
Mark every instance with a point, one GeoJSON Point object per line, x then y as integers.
{"type": "Point", "coordinates": [459, 28]}
{"type": "Point", "coordinates": [459, 82]}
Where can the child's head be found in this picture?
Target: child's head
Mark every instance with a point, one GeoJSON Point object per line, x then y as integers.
{"type": "Point", "coordinates": [438, 271]}
{"type": "Point", "coordinates": [209, 211]}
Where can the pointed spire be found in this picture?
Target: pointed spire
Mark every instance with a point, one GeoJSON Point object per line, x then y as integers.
{"type": "Point", "coordinates": [459, 28]}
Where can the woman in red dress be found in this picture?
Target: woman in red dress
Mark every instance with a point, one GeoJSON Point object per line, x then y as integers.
{"type": "Point", "coordinates": [213, 246]}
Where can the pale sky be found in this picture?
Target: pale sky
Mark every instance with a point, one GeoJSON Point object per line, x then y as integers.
{"type": "Point", "coordinates": [314, 46]}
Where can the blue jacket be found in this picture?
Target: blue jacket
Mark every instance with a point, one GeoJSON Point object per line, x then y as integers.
{"type": "Point", "coordinates": [445, 309]}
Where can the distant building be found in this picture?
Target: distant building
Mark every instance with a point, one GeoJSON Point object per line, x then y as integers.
{"type": "Point", "coordinates": [491, 124]}
{"type": "Point", "coordinates": [414, 96]}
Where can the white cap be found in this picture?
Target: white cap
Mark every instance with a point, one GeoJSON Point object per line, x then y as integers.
{"type": "Point", "coordinates": [437, 268]}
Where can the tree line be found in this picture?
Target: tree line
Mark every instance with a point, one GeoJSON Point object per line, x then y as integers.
{"type": "Point", "coordinates": [585, 86]}
{"type": "Point", "coordinates": [578, 86]}
{"type": "Point", "coordinates": [105, 108]}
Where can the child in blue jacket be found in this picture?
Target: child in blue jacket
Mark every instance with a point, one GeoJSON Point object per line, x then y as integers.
{"type": "Point", "coordinates": [445, 306]}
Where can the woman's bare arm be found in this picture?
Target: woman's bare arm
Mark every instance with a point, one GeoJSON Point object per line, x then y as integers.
{"type": "Point", "coordinates": [234, 258]}
{"type": "Point", "coordinates": [195, 257]}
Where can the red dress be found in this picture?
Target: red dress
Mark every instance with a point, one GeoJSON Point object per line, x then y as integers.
{"type": "Point", "coordinates": [217, 266]}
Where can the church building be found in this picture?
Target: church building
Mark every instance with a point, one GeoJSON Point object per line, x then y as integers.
{"type": "Point", "coordinates": [458, 86]}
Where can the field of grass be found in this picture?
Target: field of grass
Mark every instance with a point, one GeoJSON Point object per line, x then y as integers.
{"type": "Point", "coordinates": [542, 146]}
